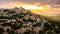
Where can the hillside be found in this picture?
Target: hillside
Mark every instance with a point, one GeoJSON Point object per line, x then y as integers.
{"type": "Point", "coordinates": [56, 18]}
{"type": "Point", "coordinates": [21, 21]}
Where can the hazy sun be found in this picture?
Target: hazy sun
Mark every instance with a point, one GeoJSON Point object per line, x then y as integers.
{"type": "Point", "coordinates": [33, 7]}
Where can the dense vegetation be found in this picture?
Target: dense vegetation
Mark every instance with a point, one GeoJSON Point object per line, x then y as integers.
{"type": "Point", "coordinates": [26, 22]}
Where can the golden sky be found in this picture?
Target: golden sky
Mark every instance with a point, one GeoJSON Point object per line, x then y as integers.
{"type": "Point", "coordinates": [43, 7]}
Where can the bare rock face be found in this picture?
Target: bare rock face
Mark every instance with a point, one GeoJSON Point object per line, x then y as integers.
{"type": "Point", "coordinates": [21, 21]}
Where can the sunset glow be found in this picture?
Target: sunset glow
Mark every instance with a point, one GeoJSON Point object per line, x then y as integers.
{"type": "Point", "coordinates": [33, 7]}
{"type": "Point", "coordinates": [47, 7]}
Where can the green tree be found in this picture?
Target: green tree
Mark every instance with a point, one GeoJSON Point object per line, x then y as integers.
{"type": "Point", "coordinates": [50, 32]}
{"type": "Point", "coordinates": [16, 25]}
{"type": "Point", "coordinates": [1, 30]}
{"type": "Point", "coordinates": [6, 24]}
{"type": "Point", "coordinates": [41, 32]}
{"type": "Point", "coordinates": [47, 27]}
{"type": "Point", "coordinates": [11, 31]}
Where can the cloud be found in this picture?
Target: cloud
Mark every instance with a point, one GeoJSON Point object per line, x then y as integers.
{"type": "Point", "coordinates": [55, 4]}
{"type": "Point", "coordinates": [32, 1]}
{"type": "Point", "coordinates": [41, 1]}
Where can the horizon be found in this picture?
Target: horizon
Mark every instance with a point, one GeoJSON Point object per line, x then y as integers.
{"type": "Point", "coordinates": [43, 7]}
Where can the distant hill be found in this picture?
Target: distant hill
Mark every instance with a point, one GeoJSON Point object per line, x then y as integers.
{"type": "Point", "coordinates": [55, 18]}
